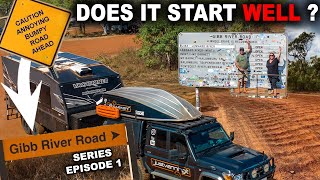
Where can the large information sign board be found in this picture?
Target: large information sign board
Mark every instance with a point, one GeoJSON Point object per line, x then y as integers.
{"type": "Point", "coordinates": [208, 59]}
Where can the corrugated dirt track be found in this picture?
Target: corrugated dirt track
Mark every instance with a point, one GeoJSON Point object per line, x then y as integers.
{"type": "Point", "coordinates": [287, 129]}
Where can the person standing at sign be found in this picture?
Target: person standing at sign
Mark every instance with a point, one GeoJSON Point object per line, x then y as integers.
{"type": "Point", "coordinates": [242, 63]}
{"type": "Point", "coordinates": [273, 72]}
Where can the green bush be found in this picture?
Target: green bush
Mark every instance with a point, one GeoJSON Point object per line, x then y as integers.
{"type": "Point", "coordinates": [160, 39]}
{"type": "Point", "coordinates": [132, 67]}
{"type": "Point", "coordinates": [304, 75]}
{"type": "Point", "coordinates": [153, 63]}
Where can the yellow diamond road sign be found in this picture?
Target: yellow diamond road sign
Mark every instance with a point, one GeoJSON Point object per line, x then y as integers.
{"type": "Point", "coordinates": [34, 30]}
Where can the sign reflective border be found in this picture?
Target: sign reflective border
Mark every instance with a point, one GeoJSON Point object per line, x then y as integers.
{"type": "Point", "coordinates": [34, 30]}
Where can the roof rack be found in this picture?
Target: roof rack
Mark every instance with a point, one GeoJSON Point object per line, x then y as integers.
{"type": "Point", "coordinates": [189, 124]}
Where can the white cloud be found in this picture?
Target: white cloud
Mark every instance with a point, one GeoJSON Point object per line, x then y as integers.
{"type": "Point", "coordinates": [294, 30]}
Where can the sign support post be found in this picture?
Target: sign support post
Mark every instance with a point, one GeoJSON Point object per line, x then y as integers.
{"type": "Point", "coordinates": [3, 169]}
{"type": "Point", "coordinates": [257, 94]}
{"type": "Point", "coordinates": [132, 154]}
{"type": "Point", "coordinates": [197, 99]}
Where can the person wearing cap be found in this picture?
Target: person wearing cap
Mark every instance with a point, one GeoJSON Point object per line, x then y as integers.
{"type": "Point", "coordinates": [273, 72]}
{"type": "Point", "coordinates": [242, 63]}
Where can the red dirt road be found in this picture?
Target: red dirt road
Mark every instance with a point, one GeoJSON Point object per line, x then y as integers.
{"type": "Point", "coordinates": [10, 128]}
{"type": "Point", "coordinates": [288, 129]}
{"type": "Point", "coordinates": [93, 47]}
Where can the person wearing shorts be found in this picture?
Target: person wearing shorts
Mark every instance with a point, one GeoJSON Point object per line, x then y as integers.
{"type": "Point", "coordinates": [273, 72]}
{"type": "Point", "coordinates": [242, 63]}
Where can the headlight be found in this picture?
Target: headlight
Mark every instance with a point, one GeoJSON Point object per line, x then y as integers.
{"type": "Point", "coordinates": [227, 176]}
{"type": "Point", "coordinates": [238, 177]}
{"type": "Point", "coordinates": [230, 176]}
{"type": "Point", "coordinates": [254, 173]}
{"type": "Point", "coordinates": [266, 168]}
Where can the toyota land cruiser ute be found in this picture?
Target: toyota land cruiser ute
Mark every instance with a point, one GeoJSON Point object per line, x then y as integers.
{"type": "Point", "coordinates": [173, 140]}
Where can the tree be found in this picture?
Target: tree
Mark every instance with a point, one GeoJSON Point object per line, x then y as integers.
{"type": "Point", "coordinates": [5, 6]}
{"type": "Point", "coordinates": [302, 73]}
{"type": "Point", "coordinates": [300, 46]}
{"type": "Point", "coordinates": [67, 4]}
{"type": "Point", "coordinates": [70, 5]}
{"type": "Point", "coordinates": [159, 39]}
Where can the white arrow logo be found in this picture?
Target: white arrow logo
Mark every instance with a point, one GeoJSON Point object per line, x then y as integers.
{"type": "Point", "coordinates": [26, 103]}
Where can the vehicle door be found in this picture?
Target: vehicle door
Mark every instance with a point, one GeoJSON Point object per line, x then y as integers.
{"type": "Point", "coordinates": [181, 156]}
{"type": "Point", "coordinates": [158, 157]}
{"type": "Point", "coordinates": [156, 147]}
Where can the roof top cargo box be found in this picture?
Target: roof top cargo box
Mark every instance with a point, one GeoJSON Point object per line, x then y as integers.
{"type": "Point", "coordinates": [72, 85]}
{"type": "Point", "coordinates": [150, 104]}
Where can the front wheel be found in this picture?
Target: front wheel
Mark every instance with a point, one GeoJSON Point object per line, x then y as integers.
{"type": "Point", "coordinates": [143, 175]}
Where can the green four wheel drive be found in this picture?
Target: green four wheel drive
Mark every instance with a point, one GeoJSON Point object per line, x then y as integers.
{"type": "Point", "coordinates": [173, 140]}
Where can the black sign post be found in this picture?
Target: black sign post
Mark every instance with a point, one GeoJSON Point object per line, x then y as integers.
{"type": "Point", "coordinates": [3, 169]}
{"type": "Point", "coordinates": [133, 152]}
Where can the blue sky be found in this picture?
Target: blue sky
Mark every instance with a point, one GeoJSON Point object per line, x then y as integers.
{"type": "Point", "coordinates": [294, 30]}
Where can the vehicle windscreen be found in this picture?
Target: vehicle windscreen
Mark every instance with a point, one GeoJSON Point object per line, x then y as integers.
{"type": "Point", "coordinates": [207, 139]}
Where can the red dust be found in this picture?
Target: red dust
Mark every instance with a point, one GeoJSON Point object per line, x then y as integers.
{"type": "Point", "coordinates": [287, 129]}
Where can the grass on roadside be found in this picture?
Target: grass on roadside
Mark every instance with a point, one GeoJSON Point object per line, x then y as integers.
{"type": "Point", "coordinates": [134, 72]}
{"type": "Point", "coordinates": [132, 67]}
{"type": "Point", "coordinates": [53, 167]}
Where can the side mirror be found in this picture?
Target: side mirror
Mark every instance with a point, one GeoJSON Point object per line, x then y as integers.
{"type": "Point", "coordinates": [232, 136]}
{"type": "Point", "coordinates": [173, 154]}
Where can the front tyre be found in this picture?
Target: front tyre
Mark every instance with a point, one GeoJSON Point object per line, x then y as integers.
{"type": "Point", "coordinates": [143, 175]}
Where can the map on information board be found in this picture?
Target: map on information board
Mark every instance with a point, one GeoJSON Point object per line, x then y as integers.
{"type": "Point", "coordinates": [208, 59]}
